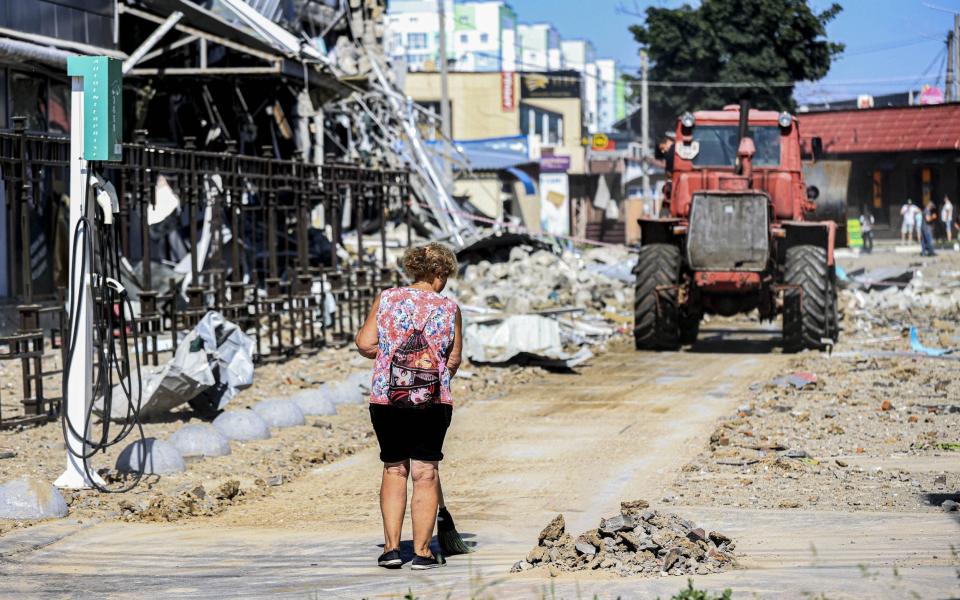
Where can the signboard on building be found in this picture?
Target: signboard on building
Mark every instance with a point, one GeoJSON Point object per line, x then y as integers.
{"type": "Point", "coordinates": [554, 203]}
{"type": "Point", "coordinates": [559, 84]}
{"type": "Point", "coordinates": [554, 164]}
{"type": "Point", "coordinates": [508, 93]}
{"type": "Point", "coordinates": [102, 105]}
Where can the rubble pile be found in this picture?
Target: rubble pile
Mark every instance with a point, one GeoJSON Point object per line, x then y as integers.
{"type": "Point", "coordinates": [544, 305]}
{"type": "Point", "coordinates": [638, 541]}
{"type": "Point", "coordinates": [539, 280]}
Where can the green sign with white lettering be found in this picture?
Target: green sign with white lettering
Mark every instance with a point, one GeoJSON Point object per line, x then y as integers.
{"type": "Point", "coordinates": [102, 105]}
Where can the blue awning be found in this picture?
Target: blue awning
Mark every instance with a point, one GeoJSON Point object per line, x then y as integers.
{"type": "Point", "coordinates": [494, 154]}
{"type": "Point", "coordinates": [525, 179]}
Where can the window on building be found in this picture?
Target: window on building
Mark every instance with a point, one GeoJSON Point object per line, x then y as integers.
{"type": "Point", "coordinates": [484, 38]}
{"type": "Point", "coordinates": [396, 40]}
{"type": "Point", "coordinates": [464, 38]}
{"type": "Point", "coordinates": [58, 107]}
{"type": "Point", "coordinates": [28, 98]}
{"type": "Point", "coordinates": [416, 41]}
{"type": "Point", "coordinates": [544, 123]}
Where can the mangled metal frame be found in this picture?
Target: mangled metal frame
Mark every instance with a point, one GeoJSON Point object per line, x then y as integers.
{"type": "Point", "coordinates": [264, 203]}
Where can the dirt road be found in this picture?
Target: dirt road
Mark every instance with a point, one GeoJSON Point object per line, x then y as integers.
{"type": "Point", "coordinates": [571, 444]}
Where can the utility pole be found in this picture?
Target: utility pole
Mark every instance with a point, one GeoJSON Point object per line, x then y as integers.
{"type": "Point", "coordinates": [951, 43]}
{"type": "Point", "coordinates": [444, 99]}
{"type": "Point", "coordinates": [645, 125]}
{"type": "Point", "coordinates": [955, 55]}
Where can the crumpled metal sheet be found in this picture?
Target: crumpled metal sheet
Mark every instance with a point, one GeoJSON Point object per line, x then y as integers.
{"type": "Point", "coordinates": [215, 359]}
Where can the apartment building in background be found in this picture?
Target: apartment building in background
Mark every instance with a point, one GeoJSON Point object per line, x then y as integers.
{"type": "Point", "coordinates": [611, 94]}
{"type": "Point", "coordinates": [540, 47]}
{"type": "Point", "coordinates": [481, 36]}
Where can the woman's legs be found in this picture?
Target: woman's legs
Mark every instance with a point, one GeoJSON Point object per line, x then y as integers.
{"type": "Point", "coordinates": [393, 501]}
{"type": "Point", "coordinates": [426, 496]}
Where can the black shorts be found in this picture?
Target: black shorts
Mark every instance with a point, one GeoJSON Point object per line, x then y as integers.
{"type": "Point", "coordinates": [405, 433]}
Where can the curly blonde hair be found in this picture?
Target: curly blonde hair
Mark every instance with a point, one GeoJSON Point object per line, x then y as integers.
{"type": "Point", "coordinates": [423, 263]}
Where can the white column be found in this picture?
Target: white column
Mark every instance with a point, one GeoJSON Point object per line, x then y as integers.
{"type": "Point", "coordinates": [80, 385]}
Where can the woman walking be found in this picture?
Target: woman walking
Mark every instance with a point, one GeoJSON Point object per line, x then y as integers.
{"type": "Point", "coordinates": [415, 336]}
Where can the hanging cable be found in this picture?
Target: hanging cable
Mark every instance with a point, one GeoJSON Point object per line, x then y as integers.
{"type": "Point", "coordinates": [99, 246]}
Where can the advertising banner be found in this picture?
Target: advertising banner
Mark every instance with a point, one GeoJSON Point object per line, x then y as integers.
{"type": "Point", "coordinates": [554, 203]}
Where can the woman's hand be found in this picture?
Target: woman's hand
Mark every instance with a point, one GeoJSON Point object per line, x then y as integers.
{"type": "Point", "coordinates": [456, 351]}
{"type": "Point", "coordinates": [368, 338]}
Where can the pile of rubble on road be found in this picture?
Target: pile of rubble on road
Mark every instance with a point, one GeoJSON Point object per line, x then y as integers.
{"type": "Point", "coordinates": [638, 541]}
{"type": "Point", "coordinates": [542, 307]}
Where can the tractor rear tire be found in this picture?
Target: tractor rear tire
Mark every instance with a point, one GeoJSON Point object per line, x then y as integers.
{"type": "Point", "coordinates": [655, 324]}
{"type": "Point", "coordinates": [806, 308]}
{"type": "Point", "coordinates": [833, 318]}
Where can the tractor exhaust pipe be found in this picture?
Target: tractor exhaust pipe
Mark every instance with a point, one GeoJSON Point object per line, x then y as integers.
{"type": "Point", "coordinates": [743, 129]}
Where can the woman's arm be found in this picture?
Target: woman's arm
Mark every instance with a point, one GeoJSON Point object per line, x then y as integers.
{"type": "Point", "coordinates": [456, 351]}
{"type": "Point", "coordinates": [368, 338]}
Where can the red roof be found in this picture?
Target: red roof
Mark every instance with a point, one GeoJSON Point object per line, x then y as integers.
{"type": "Point", "coordinates": [910, 128]}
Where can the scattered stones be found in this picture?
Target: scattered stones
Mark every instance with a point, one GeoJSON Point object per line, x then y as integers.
{"type": "Point", "coordinates": [633, 507]}
{"type": "Point", "coordinates": [886, 405]}
{"type": "Point", "coordinates": [553, 530]}
{"type": "Point", "coordinates": [620, 522]}
{"type": "Point", "coordinates": [242, 425]}
{"type": "Point", "coordinates": [157, 457]}
{"type": "Point", "coordinates": [585, 546]}
{"type": "Point", "coordinates": [200, 439]}
{"type": "Point", "coordinates": [950, 506]}
{"type": "Point", "coordinates": [280, 413]}
{"type": "Point", "coordinates": [27, 499]}
{"type": "Point", "coordinates": [7, 453]}
{"type": "Point", "coordinates": [638, 541]}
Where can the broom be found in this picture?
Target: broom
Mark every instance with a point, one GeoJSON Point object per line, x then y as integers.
{"type": "Point", "coordinates": [447, 535]}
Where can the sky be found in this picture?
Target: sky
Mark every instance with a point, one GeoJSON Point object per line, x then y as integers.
{"type": "Point", "coordinates": [892, 45]}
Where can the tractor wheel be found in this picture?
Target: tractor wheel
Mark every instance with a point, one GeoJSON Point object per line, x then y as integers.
{"type": "Point", "coordinates": [806, 312]}
{"type": "Point", "coordinates": [655, 311]}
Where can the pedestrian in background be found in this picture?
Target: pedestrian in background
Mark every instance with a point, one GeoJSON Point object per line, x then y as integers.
{"type": "Point", "coordinates": [946, 217]}
{"type": "Point", "coordinates": [907, 221]}
{"type": "Point", "coordinates": [415, 335]}
{"type": "Point", "coordinates": [929, 219]}
{"type": "Point", "coordinates": [866, 230]}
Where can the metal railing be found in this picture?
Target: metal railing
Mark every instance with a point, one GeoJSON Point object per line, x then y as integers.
{"type": "Point", "coordinates": [249, 234]}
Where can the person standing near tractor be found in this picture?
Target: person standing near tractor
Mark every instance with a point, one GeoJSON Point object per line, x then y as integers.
{"type": "Point", "coordinates": [926, 229]}
{"type": "Point", "coordinates": [908, 217]}
{"type": "Point", "coordinates": [866, 230]}
{"type": "Point", "coordinates": [946, 217]}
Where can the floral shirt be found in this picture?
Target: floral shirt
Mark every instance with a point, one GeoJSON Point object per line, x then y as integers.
{"type": "Point", "coordinates": [403, 310]}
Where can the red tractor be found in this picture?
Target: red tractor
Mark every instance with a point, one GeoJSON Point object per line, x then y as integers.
{"type": "Point", "coordinates": [743, 233]}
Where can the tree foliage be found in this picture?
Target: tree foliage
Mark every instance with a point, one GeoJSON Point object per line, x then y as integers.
{"type": "Point", "coordinates": [769, 41]}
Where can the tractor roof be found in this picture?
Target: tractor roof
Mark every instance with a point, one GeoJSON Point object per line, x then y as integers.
{"type": "Point", "coordinates": [731, 113]}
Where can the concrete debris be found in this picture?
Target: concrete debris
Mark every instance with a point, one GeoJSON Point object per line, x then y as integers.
{"type": "Point", "coordinates": [27, 498]}
{"type": "Point", "coordinates": [798, 380]}
{"type": "Point", "coordinates": [879, 278]}
{"type": "Point", "coordinates": [635, 542]}
{"type": "Point", "coordinates": [158, 457]}
{"type": "Point", "coordinates": [200, 440]}
{"type": "Point", "coordinates": [538, 306]}
{"type": "Point", "coordinates": [242, 425]}
{"type": "Point", "coordinates": [280, 413]}
{"type": "Point", "coordinates": [950, 506]}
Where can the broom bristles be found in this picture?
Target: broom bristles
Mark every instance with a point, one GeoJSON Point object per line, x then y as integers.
{"type": "Point", "coordinates": [447, 535]}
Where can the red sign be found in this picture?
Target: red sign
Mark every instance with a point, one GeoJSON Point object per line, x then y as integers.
{"type": "Point", "coordinates": [508, 93]}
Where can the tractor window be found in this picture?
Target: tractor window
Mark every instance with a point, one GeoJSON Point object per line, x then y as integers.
{"type": "Point", "coordinates": [718, 145]}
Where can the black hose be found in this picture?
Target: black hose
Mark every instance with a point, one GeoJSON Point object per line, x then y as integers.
{"type": "Point", "coordinates": [109, 358]}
